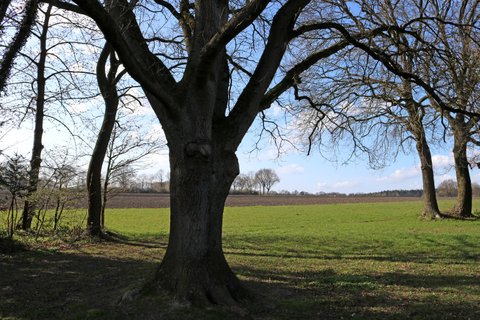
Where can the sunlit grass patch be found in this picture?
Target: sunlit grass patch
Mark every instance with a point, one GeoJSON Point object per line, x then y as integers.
{"type": "Point", "coordinates": [355, 261]}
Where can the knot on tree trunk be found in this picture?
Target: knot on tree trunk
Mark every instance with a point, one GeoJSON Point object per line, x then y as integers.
{"type": "Point", "coordinates": [200, 148]}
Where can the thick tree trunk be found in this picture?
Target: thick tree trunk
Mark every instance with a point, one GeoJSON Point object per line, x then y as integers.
{"type": "Point", "coordinates": [194, 268]}
{"type": "Point", "coordinates": [430, 204]}
{"type": "Point", "coordinates": [463, 204]}
{"type": "Point", "coordinates": [36, 159]}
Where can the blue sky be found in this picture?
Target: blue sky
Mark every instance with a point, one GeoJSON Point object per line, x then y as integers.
{"type": "Point", "coordinates": [296, 170]}
{"type": "Point", "coordinates": [315, 174]}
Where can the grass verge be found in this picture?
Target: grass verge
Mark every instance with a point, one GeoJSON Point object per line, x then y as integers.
{"type": "Point", "coordinates": [344, 261]}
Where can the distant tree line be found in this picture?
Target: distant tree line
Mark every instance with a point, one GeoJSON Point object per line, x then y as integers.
{"type": "Point", "coordinates": [260, 182]}
{"type": "Point", "coordinates": [448, 188]}
{"type": "Point", "coordinates": [391, 193]}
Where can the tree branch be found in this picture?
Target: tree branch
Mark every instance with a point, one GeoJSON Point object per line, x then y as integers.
{"type": "Point", "coordinates": [292, 75]}
{"type": "Point", "coordinates": [235, 25]}
{"type": "Point", "coordinates": [393, 67]}
{"type": "Point", "coordinates": [142, 65]}
{"type": "Point", "coordinates": [247, 106]}
{"type": "Point", "coordinates": [65, 6]}
{"type": "Point", "coordinates": [184, 17]}
{"type": "Point", "coordinates": [18, 42]}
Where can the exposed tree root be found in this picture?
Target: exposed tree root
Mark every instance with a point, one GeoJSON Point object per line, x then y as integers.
{"type": "Point", "coordinates": [431, 215]}
{"type": "Point", "coordinates": [199, 287]}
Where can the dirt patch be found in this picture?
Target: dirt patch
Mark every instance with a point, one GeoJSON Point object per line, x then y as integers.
{"type": "Point", "coordinates": [153, 200]}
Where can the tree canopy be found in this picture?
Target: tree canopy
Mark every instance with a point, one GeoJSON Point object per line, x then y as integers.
{"type": "Point", "coordinates": [209, 69]}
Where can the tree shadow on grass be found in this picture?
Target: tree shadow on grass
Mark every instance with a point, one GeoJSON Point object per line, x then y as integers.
{"type": "Point", "coordinates": [329, 295]}
{"type": "Point", "coordinates": [66, 285]}
{"type": "Point", "coordinates": [88, 284]}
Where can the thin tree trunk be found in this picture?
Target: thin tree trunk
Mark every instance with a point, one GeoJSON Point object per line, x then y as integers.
{"type": "Point", "coordinates": [416, 127]}
{"type": "Point", "coordinates": [36, 159]}
{"type": "Point", "coordinates": [430, 204]}
{"type": "Point", "coordinates": [463, 204]}
{"type": "Point", "coordinates": [107, 84]}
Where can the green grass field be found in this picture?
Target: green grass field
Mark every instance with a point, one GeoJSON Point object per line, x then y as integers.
{"type": "Point", "coordinates": [344, 261]}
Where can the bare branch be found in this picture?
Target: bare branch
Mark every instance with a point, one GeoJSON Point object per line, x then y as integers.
{"type": "Point", "coordinates": [140, 62]}
{"type": "Point", "coordinates": [235, 25]}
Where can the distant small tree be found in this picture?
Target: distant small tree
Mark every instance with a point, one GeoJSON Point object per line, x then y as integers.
{"type": "Point", "coordinates": [160, 181]}
{"type": "Point", "coordinates": [266, 178]}
{"type": "Point", "coordinates": [62, 179]}
{"type": "Point", "coordinates": [447, 188]}
{"type": "Point", "coordinates": [124, 152]}
{"type": "Point", "coordinates": [240, 184]}
{"type": "Point", "coordinates": [14, 178]}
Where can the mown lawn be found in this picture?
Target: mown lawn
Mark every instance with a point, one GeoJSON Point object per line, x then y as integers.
{"type": "Point", "coordinates": [344, 261]}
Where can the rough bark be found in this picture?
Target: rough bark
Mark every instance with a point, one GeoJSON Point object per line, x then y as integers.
{"type": "Point", "coordinates": [415, 124]}
{"type": "Point", "coordinates": [202, 169]}
{"type": "Point", "coordinates": [463, 203]}
{"type": "Point", "coordinates": [194, 267]}
{"type": "Point", "coordinates": [107, 85]}
{"type": "Point", "coordinates": [430, 204]}
{"type": "Point", "coordinates": [36, 159]}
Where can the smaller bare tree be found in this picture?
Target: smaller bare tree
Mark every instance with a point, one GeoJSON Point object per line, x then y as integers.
{"type": "Point", "coordinates": [161, 181]}
{"type": "Point", "coordinates": [14, 178]}
{"type": "Point", "coordinates": [124, 153]}
{"type": "Point", "coordinates": [447, 188]}
{"type": "Point", "coordinates": [266, 178]}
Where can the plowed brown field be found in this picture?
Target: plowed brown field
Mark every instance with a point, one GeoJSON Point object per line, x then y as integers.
{"type": "Point", "coordinates": [151, 200]}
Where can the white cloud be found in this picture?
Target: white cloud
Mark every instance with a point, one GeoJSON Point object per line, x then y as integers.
{"type": "Point", "coordinates": [17, 140]}
{"type": "Point", "coordinates": [401, 174]}
{"type": "Point", "coordinates": [443, 177]}
{"type": "Point", "coordinates": [275, 110]}
{"type": "Point", "coordinates": [322, 185]}
{"type": "Point", "coordinates": [346, 184]}
{"type": "Point", "coordinates": [154, 162]}
{"type": "Point", "coordinates": [290, 169]}
{"type": "Point", "coordinates": [442, 162]}
{"type": "Point", "coordinates": [342, 186]}
{"type": "Point", "coordinates": [406, 173]}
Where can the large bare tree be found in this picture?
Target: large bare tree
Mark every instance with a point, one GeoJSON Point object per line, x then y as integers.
{"type": "Point", "coordinates": [186, 78]}
{"type": "Point", "coordinates": [266, 178]}
{"type": "Point", "coordinates": [48, 79]}
{"type": "Point", "coordinates": [456, 72]}
{"type": "Point", "coordinates": [438, 65]}
{"type": "Point", "coordinates": [208, 68]}
{"type": "Point", "coordinates": [386, 111]}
